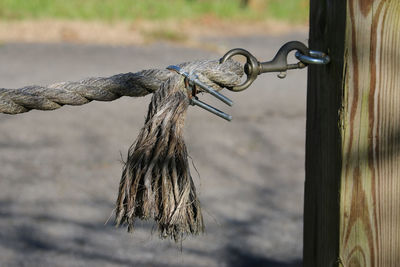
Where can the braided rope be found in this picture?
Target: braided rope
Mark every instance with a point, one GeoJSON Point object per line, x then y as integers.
{"type": "Point", "coordinates": [54, 96]}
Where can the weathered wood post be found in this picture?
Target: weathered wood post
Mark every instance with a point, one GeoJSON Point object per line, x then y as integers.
{"type": "Point", "coordinates": [352, 189]}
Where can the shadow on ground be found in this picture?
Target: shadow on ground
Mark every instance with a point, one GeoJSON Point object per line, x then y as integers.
{"type": "Point", "coordinates": [239, 258]}
{"type": "Point", "coordinates": [36, 236]}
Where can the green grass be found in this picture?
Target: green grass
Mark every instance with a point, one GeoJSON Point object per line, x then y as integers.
{"type": "Point", "coordinates": [289, 10]}
{"type": "Point", "coordinates": [114, 10]}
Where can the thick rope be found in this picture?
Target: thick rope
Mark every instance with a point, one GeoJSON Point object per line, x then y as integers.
{"type": "Point", "coordinates": [14, 101]}
{"type": "Point", "coordinates": [156, 181]}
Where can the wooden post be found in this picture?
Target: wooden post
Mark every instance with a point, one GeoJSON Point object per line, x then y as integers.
{"type": "Point", "coordinates": [352, 189]}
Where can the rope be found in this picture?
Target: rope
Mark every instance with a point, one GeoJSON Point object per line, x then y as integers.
{"type": "Point", "coordinates": [54, 96]}
{"type": "Point", "coordinates": [156, 182]}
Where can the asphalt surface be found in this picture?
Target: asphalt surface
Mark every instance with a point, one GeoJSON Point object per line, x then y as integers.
{"type": "Point", "coordinates": [59, 170]}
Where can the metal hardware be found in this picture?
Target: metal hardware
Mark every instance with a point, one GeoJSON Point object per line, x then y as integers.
{"type": "Point", "coordinates": [195, 80]}
{"type": "Point", "coordinates": [316, 57]}
{"type": "Point", "coordinates": [219, 113]}
{"type": "Point", "coordinates": [279, 63]}
{"type": "Point", "coordinates": [252, 68]}
{"type": "Point", "coordinates": [191, 81]}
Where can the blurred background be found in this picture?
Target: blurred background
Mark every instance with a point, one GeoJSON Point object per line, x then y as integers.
{"type": "Point", "coordinates": [59, 170]}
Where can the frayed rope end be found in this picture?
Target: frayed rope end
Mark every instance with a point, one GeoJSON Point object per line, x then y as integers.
{"type": "Point", "coordinates": [156, 181]}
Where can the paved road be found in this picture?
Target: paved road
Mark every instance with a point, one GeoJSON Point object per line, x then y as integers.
{"type": "Point", "coordinates": [59, 170]}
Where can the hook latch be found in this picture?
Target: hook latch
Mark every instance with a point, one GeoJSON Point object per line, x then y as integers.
{"type": "Point", "coordinates": [279, 63]}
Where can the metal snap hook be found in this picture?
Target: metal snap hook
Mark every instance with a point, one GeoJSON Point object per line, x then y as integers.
{"type": "Point", "coordinates": [279, 63]}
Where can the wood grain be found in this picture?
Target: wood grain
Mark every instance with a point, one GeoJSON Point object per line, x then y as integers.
{"type": "Point", "coordinates": [352, 188]}
{"type": "Point", "coordinates": [370, 120]}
